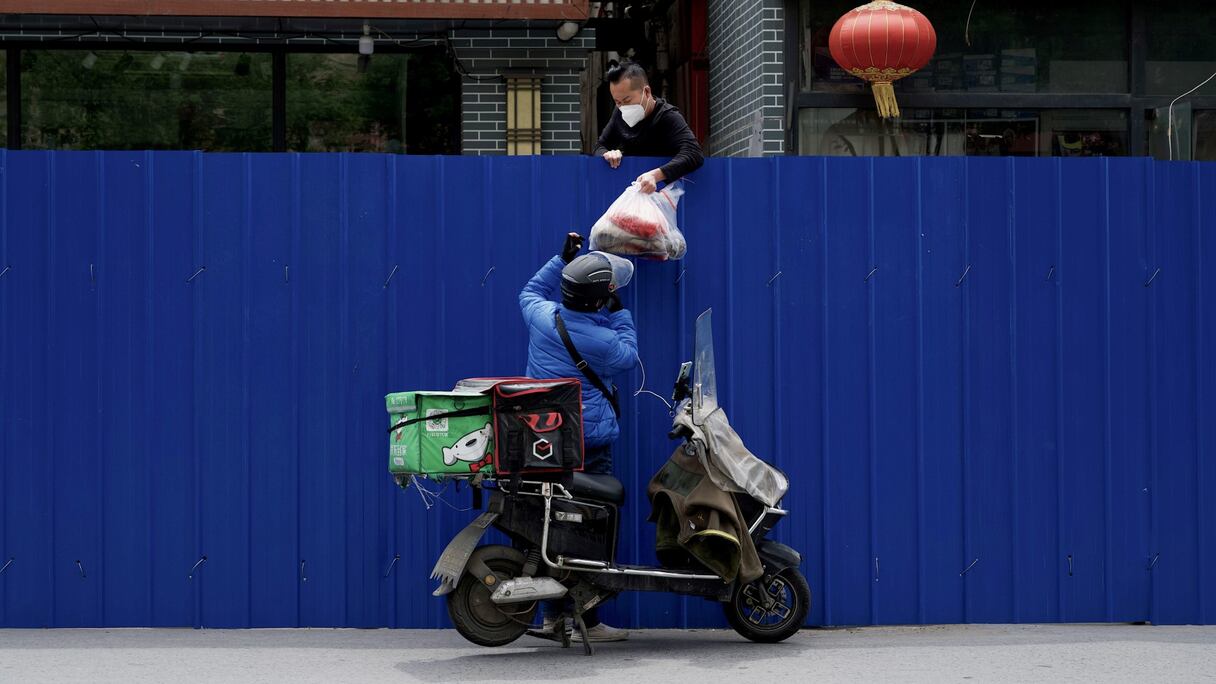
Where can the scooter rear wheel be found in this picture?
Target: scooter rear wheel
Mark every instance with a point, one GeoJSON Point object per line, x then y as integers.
{"type": "Point", "coordinates": [479, 619]}
{"type": "Point", "coordinates": [770, 609]}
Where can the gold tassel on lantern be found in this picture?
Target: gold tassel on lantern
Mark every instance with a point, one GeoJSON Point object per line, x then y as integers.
{"type": "Point", "coordinates": [884, 97]}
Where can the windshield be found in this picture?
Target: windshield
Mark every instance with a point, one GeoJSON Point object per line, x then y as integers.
{"type": "Point", "coordinates": [704, 383]}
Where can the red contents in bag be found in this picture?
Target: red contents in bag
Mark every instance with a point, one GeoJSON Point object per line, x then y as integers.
{"type": "Point", "coordinates": [637, 225]}
{"type": "Point", "coordinates": [642, 225]}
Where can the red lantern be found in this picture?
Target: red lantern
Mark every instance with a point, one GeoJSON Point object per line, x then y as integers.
{"type": "Point", "coordinates": [881, 43]}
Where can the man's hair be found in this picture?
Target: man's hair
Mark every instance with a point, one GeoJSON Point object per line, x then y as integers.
{"type": "Point", "coordinates": [631, 71]}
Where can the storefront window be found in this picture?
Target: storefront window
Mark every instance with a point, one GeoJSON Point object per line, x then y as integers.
{"type": "Point", "coordinates": [1192, 137]}
{"type": "Point", "coordinates": [398, 103]}
{"type": "Point", "coordinates": [972, 132]}
{"type": "Point", "coordinates": [1204, 131]}
{"type": "Point", "coordinates": [1022, 47]}
{"type": "Point", "coordinates": [111, 99]}
{"type": "Point", "coordinates": [1181, 49]}
{"type": "Point", "coordinates": [3, 98]}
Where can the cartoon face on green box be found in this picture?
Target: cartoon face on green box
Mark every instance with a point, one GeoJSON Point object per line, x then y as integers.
{"type": "Point", "coordinates": [440, 444]}
{"type": "Point", "coordinates": [470, 448]}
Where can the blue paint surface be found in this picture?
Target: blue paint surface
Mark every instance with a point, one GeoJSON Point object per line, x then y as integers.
{"type": "Point", "coordinates": [991, 381]}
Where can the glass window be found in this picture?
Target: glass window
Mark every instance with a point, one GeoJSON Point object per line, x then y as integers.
{"type": "Point", "coordinates": [1181, 49]}
{"type": "Point", "coordinates": [433, 111]}
{"type": "Point", "coordinates": [1204, 130]}
{"type": "Point", "coordinates": [523, 115]}
{"type": "Point", "coordinates": [1032, 46]}
{"type": "Point", "coordinates": [111, 99]}
{"type": "Point", "coordinates": [3, 98]}
{"type": "Point", "coordinates": [394, 103]}
{"type": "Point", "coordinates": [1192, 137]}
{"type": "Point", "coordinates": [334, 106]}
{"type": "Point", "coordinates": [973, 132]}
{"type": "Point", "coordinates": [1170, 142]}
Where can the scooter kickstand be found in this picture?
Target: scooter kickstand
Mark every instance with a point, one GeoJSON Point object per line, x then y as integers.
{"type": "Point", "coordinates": [565, 636]}
{"type": "Point", "coordinates": [588, 649]}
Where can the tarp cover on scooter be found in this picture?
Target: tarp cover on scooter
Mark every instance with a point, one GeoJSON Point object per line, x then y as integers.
{"type": "Point", "coordinates": [729, 463]}
{"type": "Point", "coordinates": [695, 519]}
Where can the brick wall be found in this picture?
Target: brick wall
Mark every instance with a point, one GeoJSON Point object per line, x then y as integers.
{"type": "Point", "coordinates": [486, 54]}
{"type": "Point", "coordinates": [746, 44]}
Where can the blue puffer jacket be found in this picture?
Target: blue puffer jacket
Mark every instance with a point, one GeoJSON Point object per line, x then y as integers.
{"type": "Point", "coordinates": [608, 341]}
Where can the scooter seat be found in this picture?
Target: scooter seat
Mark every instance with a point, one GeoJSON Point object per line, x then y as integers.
{"type": "Point", "coordinates": [599, 487]}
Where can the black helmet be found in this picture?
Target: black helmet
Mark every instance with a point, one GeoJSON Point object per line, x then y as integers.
{"type": "Point", "coordinates": [587, 283]}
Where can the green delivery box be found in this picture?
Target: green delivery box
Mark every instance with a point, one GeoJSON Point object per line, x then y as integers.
{"type": "Point", "coordinates": [439, 433]}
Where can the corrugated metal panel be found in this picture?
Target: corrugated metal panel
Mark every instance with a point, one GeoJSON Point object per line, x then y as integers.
{"type": "Point", "coordinates": [990, 380]}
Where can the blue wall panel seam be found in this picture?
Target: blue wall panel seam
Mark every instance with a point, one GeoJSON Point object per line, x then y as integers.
{"type": "Point", "coordinates": [51, 293]}
{"type": "Point", "coordinates": [390, 366]}
{"type": "Point", "coordinates": [246, 435]}
{"type": "Point", "coordinates": [200, 258]}
{"type": "Point", "coordinates": [920, 391]}
{"type": "Point", "coordinates": [150, 369]}
{"type": "Point", "coordinates": [441, 212]}
{"type": "Point", "coordinates": [965, 362]}
{"type": "Point", "coordinates": [1061, 278]}
{"type": "Point", "coordinates": [344, 358]}
{"type": "Point", "coordinates": [1201, 539]}
{"type": "Point", "coordinates": [825, 519]}
{"type": "Point", "coordinates": [1015, 452]}
{"type": "Point", "coordinates": [1107, 515]}
{"type": "Point", "coordinates": [5, 324]}
{"type": "Point", "coordinates": [1153, 390]}
{"type": "Point", "coordinates": [775, 304]}
{"type": "Point", "coordinates": [872, 408]}
{"type": "Point", "coordinates": [294, 327]}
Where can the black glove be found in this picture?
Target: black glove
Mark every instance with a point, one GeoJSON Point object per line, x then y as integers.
{"type": "Point", "coordinates": [614, 303]}
{"type": "Point", "coordinates": [574, 242]}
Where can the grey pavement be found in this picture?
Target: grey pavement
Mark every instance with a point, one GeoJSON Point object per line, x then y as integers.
{"type": "Point", "coordinates": [956, 653]}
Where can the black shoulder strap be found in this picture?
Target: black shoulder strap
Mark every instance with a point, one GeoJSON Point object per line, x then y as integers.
{"type": "Point", "coordinates": [581, 364]}
{"type": "Point", "coordinates": [464, 413]}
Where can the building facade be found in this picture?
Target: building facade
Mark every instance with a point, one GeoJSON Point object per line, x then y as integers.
{"type": "Point", "coordinates": [254, 75]}
{"type": "Point", "coordinates": [747, 93]}
{"type": "Point", "coordinates": [1036, 78]}
{"type": "Point", "coordinates": [753, 77]}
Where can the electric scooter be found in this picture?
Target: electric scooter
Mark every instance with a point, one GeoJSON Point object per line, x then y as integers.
{"type": "Point", "coordinates": [564, 533]}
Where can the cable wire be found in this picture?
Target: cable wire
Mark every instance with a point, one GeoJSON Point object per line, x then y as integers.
{"type": "Point", "coordinates": [1169, 129]}
{"type": "Point", "coordinates": [642, 389]}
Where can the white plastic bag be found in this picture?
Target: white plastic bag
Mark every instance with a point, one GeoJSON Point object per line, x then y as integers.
{"type": "Point", "coordinates": [643, 225]}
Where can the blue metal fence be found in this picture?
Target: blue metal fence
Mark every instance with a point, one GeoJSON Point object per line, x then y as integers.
{"type": "Point", "coordinates": [991, 381]}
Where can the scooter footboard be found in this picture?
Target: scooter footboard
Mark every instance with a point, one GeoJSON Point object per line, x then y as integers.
{"type": "Point", "coordinates": [709, 588]}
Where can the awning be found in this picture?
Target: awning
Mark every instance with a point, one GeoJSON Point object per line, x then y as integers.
{"type": "Point", "coordinates": [573, 10]}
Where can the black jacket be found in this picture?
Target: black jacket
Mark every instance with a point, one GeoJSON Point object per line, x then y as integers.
{"type": "Point", "coordinates": [662, 134]}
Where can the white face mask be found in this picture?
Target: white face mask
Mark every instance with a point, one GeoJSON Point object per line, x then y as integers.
{"type": "Point", "coordinates": [632, 114]}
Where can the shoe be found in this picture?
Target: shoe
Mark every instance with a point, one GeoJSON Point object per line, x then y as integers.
{"type": "Point", "coordinates": [547, 631]}
{"type": "Point", "coordinates": [601, 633]}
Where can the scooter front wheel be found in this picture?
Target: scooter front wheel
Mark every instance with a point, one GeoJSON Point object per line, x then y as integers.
{"type": "Point", "coordinates": [479, 619]}
{"type": "Point", "coordinates": [770, 609]}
